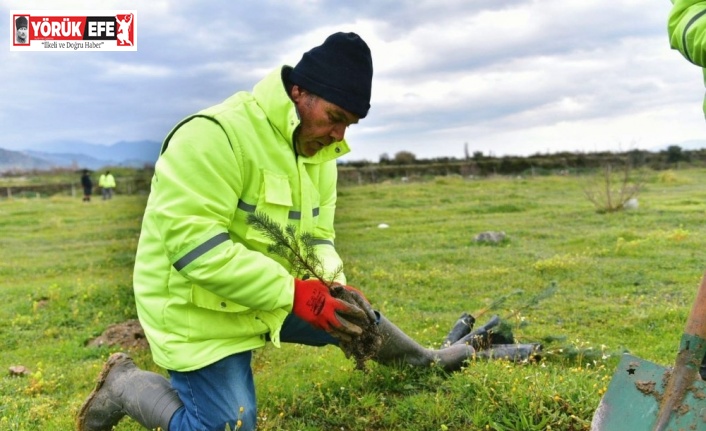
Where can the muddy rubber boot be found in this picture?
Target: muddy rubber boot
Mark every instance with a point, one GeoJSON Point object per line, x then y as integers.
{"type": "Point", "coordinates": [511, 352]}
{"type": "Point", "coordinates": [461, 328]}
{"type": "Point", "coordinates": [123, 389]}
{"type": "Point", "coordinates": [481, 337]}
{"type": "Point", "coordinates": [397, 348]}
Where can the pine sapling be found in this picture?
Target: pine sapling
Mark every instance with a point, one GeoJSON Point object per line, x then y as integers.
{"type": "Point", "coordinates": [299, 251]}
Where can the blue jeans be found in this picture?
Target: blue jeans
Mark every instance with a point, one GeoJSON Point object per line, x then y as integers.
{"type": "Point", "coordinates": [214, 396]}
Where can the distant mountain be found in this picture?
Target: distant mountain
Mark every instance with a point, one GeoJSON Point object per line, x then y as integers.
{"type": "Point", "coordinates": [80, 155]}
{"type": "Point", "coordinates": [146, 151]}
{"type": "Point", "coordinates": [15, 160]}
{"type": "Point", "coordinates": [68, 159]}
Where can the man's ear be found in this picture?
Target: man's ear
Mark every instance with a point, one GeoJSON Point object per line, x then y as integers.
{"type": "Point", "coordinates": [297, 92]}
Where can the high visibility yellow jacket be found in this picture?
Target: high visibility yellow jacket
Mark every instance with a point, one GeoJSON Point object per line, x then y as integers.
{"type": "Point", "coordinates": [687, 31]}
{"type": "Point", "coordinates": [106, 181]}
{"type": "Point", "coordinates": [205, 285]}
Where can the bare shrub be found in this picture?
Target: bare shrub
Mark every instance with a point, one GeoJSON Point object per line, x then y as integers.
{"type": "Point", "coordinates": [614, 185]}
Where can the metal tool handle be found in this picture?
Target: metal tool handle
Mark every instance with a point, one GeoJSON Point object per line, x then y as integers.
{"type": "Point", "coordinates": [696, 324]}
{"type": "Point", "coordinates": [686, 367]}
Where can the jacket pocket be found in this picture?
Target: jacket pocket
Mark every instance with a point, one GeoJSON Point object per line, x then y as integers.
{"type": "Point", "coordinates": [203, 298]}
{"type": "Point", "coordinates": [275, 201]}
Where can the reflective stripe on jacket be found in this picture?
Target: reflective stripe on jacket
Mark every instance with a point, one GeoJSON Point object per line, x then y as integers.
{"type": "Point", "coordinates": [687, 31]}
{"type": "Point", "coordinates": [205, 285]}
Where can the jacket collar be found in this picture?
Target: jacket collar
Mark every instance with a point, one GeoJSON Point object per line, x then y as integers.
{"type": "Point", "coordinates": [271, 95]}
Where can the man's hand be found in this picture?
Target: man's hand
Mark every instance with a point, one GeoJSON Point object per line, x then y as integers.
{"type": "Point", "coordinates": [313, 303]}
{"type": "Point", "coordinates": [362, 302]}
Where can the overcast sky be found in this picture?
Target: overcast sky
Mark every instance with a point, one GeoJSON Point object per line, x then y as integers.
{"type": "Point", "coordinates": [505, 77]}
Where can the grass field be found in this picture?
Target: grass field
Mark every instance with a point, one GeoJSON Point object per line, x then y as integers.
{"type": "Point", "coordinates": [624, 282]}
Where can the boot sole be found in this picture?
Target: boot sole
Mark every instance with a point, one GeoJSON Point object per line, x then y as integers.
{"type": "Point", "coordinates": [114, 359]}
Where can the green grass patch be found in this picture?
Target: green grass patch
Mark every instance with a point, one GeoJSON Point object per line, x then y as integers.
{"type": "Point", "coordinates": [624, 282]}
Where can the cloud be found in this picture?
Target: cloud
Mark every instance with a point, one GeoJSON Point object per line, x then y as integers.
{"type": "Point", "coordinates": [116, 70]}
{"type": "Point", "coordinates": [507, 76]}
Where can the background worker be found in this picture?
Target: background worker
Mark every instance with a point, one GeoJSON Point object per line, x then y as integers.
{"type": "Point", "coordinates": [107, 184]}
{"type": "Point", "coordinates": [87, 185]}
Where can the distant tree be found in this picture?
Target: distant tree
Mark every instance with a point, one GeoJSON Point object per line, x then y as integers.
{"type": "Point", "coordinates": [465, 150]}
{"type": "Point", "coordinates": [405, 158]}
{"type": "Point", "coordinates": [675, 154]}
{"type": "Point", "coordinates": [355, 163]}
{"type": "Point", "coordinates": [384, 158]}
{"type": "Point", "coordinates": [637, 157]}
{"type": "Point", "coordinates": [477, 155]}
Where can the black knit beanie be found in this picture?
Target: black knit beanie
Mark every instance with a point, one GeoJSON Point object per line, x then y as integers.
{"type": "Point", "coordinates": [340, 71]}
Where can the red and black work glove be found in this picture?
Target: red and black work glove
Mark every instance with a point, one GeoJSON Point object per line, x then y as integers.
{"type": "Point", "coordinates": [313, 303]}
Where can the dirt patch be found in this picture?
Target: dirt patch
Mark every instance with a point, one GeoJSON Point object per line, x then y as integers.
{"type": "Point", "coordinates": [647, 387]}
{"type": "Point", "coordinates": [129, 335]}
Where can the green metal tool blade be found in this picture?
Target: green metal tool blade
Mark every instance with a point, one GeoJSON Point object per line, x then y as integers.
{"type": "Point", "coordinates": [632, 400]}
